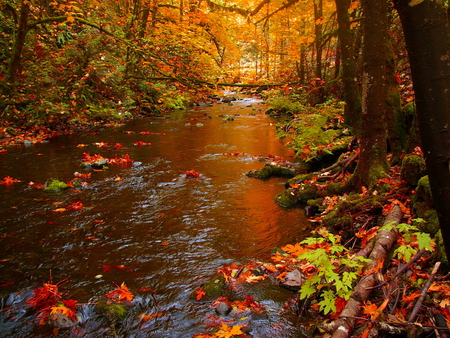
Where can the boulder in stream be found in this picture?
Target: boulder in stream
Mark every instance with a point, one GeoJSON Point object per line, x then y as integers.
{"type": "Point", "coordinates": [270, 170]}
{"type": "Point", "coordinates": [292, 280]}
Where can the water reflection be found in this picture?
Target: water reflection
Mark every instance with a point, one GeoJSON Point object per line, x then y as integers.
{"type": "Point", "coordinates": [170, 232]}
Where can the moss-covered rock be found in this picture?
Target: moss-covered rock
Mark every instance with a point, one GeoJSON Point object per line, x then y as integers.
{"type": "Point", "coordinates": [431, 224]}
{"type": "Point", "coordinates": [55, 185]}
{"type": "Point", "coordinates": [299, 179]}
{"type": "Point", "coordinates": [335, 220]}
{"type": "Point", "coordinates": [213, 289]}
{"type": "Point", "coordinates": [315, 203]}
{"type": "Point", "coordinates": [112, 310]}
{"type": "Point", "coordinates": [307, 191]}
{"type": "Point", "coordinates": [413, 168]}
{"type": "Point", "coordinates": [424, 191]}
{"type": "Point", "coordinates": [268, 171]}
{"type": "Point", "coordinates": [286, 198]}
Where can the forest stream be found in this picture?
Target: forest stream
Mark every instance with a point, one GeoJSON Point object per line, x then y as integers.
{"type": "Point", "coordinates": [147, 224]}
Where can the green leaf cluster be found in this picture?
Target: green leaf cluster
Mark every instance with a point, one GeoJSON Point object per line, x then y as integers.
{"type": "Point", "coordinates": [313, 130]}
{"type": "Point", "coordinates": [336, 272]}
{"type": "Point", "coordinates": [412, 240]}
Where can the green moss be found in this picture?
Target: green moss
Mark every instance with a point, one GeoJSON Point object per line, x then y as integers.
{"type": "Point", "coordinates": [286, 198]}
{"type": "Point", "coordinates": [335, 220]}
{"type": "Point", "coordinates": [299, 179]}
{"type": "Point", "coordinates": [55, 186]}
{"type": "Point", "coordinates": [413, 168]}
{"type": "Point", "coordinates": [335, 189]}
{"type": "Point", "coordinates": [113, 311]}
{"type": "Point", "coordinates": [440, 248]}
{"type": "Point", "coordinates": [215, 286]}
{"type": "Point", "coordinates": [268, 171]}
{"type": "Point", "coordinates": [431, 224]}
{"type": "Point", "coordinates": [424, 190]}
{"type": "Point", "coordinates": [317, 203]}
{"type": "Point", "coordinates": [307, 191]}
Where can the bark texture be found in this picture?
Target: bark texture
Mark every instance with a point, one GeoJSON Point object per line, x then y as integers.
{"type": "Point", "coordinates": [352, 93]}
{"type": "Point", "coordinates": [425, 26]}
{"type": "Point", "coordinates": [373, 164]}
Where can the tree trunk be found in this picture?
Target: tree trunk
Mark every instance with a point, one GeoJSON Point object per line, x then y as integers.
{"type": "Point", "coordinates": [425, 26]}
{"type": "Point", "coordinates": [372, 163]}
{"type": "Point", "coordinates": [318, 28]}
{"type": "Point", "coordinates": [352, 93]}
{"type": "Point", "coordinates": [396, 123]}
{"type": "Point", "coordinates": [19, 41]}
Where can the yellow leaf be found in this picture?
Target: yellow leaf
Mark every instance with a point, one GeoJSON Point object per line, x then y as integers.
{"type": "Point", "coordinates": [254, 279]}
{"type": "Point", "coordinates": [70, 19]}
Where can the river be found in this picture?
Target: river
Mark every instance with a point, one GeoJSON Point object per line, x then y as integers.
{"type": "Point", "coordinates": [147, 224]}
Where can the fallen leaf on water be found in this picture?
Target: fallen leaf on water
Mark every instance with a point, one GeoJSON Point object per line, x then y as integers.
{"type": "Point", "coordinates": [8, 180]}
{"type": "Point", "coordinates": [192, 174]}
{"type": "Point", "coordinates": [121, 293]}
{"type": "Point", "coordinates": [200, 293]}
{"type": "Point", "coordinates": [165, 243]}
{"type": "Point", "coordinates": [60, 210]}
{"type": "Point", "coordinates": [148, 317]}
{"type": "Point", "coordinates": [76, 206]}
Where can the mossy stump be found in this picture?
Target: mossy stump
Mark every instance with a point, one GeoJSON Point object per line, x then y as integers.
{"type": "Point", "coordinates": [413, 168]}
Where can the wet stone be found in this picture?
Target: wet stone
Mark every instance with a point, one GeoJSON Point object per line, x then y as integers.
{"type": "Point", "coordinates": [223, 309]}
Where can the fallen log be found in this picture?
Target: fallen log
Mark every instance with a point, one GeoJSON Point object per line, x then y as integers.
{"type": "Point", "coordinates": [343, 326]}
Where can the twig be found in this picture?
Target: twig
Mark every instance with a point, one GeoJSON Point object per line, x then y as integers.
{"type": "Point", "coordinates": [412, 260]}
{"type": "Point", "coordinates": [423, 293]}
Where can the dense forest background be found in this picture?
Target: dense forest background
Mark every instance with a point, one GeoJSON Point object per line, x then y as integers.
{"type": "Point", "coordinates": [69, 61]}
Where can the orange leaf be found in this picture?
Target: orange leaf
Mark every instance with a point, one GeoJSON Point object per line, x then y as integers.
{"type": "Point", "coordinates": [200, 293]}
{"type": "Point", "coordinates": [369, 308]}
{"type": "Point", "coordinates": [411, 297]}
{"type": "Point", "coordinates": [121, 293]}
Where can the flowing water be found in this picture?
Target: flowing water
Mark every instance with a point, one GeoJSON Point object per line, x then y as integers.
{"type": "Point", "coordinates": [146, 224]}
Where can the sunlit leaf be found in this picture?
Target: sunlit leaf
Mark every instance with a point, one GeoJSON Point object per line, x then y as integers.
{"type": "Point", "coordinates": [121, 293]}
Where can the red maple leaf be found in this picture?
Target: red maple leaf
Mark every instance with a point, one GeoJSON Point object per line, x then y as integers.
{"type": "Point", "coordinates": [121, 293]}
{"type": "Point", "coordinates": [200, 293]}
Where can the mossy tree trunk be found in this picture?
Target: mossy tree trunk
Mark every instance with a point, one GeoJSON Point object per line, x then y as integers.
{"type": "Point", "coordinates": [426, 30]}
{"type": "Point", "coordinates": [352, 94]}
{"type": "Point", "coordinates": [372, 163]}
{"type": "Point", "coordinates": [396, 123]}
